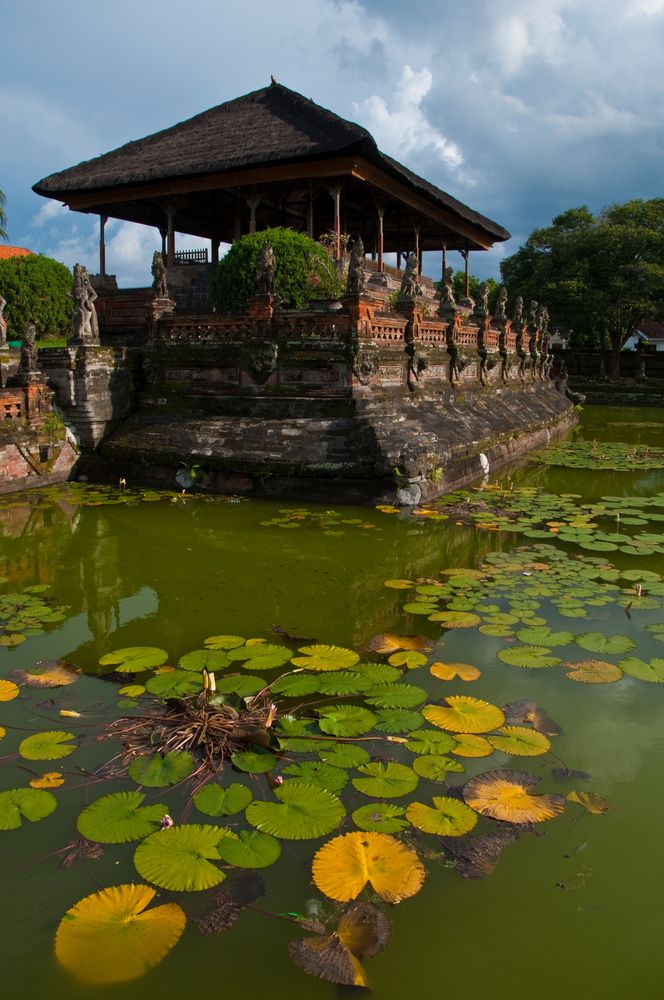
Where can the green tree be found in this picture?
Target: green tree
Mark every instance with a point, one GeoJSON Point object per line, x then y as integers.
{"type": "Point", "coordinates": [459, 283]}
{"type": "Point", "coordinates": [4, 235]}
{"type": "Point", "coordinates": [37, 291]}
{"type": "Point", "coordinates": [598, 275]}
{"type": "Point", "coordinates": [304, 270]}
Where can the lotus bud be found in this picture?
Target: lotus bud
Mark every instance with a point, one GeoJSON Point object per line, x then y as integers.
{"type": "Point", "coordinates": [166, 822]}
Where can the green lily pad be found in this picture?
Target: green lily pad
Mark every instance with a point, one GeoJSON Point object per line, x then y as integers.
{"type": "Point", "coordinates": [181, 857]}
{"type": "Point", "coordinates": [18, 804]}
{"type": "Point", "coordinates": [430, 741]}
{"type": "Point", "coordinates": [240, 684]}
{"type": "Point", "coordinates": [254, 761]}
{"type": "Point", "coordinates": [381, 817]}
{"type": "Point", "coordinates": [155, 771]}
{"type": "Point", "coordinates": [597, 642]}
{"type": "Point", "coordinates": [120, 817]}
{"type": "Point", "coordinates": [223, 641]}
{"type": "Point", "coordinates": [651, 670]}
{"type": "Point", "coordinates": [304, 811]}
{"type": "Point", "coordinates": [204, 659]}
{"type": "Point", "coordinates": [410, 659]}
{"type": "Point", "coordinates": [260, 656]}
{"type": "Point", "coordinates": [316, 772]}
{"type": "Point", "coordinates": [50, 745]}
{"type": "Point", "coordinates": [385, 781]}
{"type": "Point", "coordinates": [447, 818]}
{"type": "Point", "coordinates": [174, 684]}
{"type": "Point", "coordinates": [532, 657]}
{"type": "Point", "coordinates": [456, 619]}
{"type": "Point", "coordinates": [134, 659]}
{"type": "Point", "coordinates": [343, 682]}
{"type": "Point", "coordinates": [398, 720]}
{"type": "Point", "coordinates": [213, 800]}
{"type": "Point", "coordinates": [396, 696]}
{"type": "Point", "coordinates": [252, 849]}
{"type": "Point", "coordinates": [346, 720]}
{"type": "Point", "coordinates": [296, 685]}
{"type": "Point", "coordinates": [320, 657]}
{"type": "Point", "coordinates": [345, 755]}
{"type": "Point", "coordinates": [543, 636]}
{"type": "Point", "coordinates": [435, 766]}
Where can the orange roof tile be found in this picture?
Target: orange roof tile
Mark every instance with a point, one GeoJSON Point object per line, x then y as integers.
{"type": "Point", "coordinates": [6, 252]}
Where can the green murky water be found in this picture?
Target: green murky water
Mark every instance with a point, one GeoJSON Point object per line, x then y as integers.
{"type": "Point", "coordinates": [574, 907]}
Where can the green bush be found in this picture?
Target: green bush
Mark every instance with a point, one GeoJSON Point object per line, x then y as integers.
{"type": "Point", "coordinates": [37, 291]}
{"type": "Point", "coordinates": [304, 271]}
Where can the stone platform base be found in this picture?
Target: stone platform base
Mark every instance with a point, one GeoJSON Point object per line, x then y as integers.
{"type": "Point", "coordinates": [387, 449]}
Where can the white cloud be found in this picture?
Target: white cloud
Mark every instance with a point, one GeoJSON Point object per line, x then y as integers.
{"type": "Point", "coordinates": [49, 211]}
{"type": "Point", "coordinates": [403, 128]}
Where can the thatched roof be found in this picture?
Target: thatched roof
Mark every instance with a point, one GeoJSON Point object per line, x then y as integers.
{"type": "Point", "coordinates": [269, 127]}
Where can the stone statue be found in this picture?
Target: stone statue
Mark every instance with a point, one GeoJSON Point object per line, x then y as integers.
{"type": "Point", "coordinates": [447, 305]}
{"type": "Point", "coordinates": [28, 364]}
{"type": "Point", "coordinates": [501, 305]}
{"type": "Point", "coordinates": [85, 326]}
{"type": "Point", "coordinates": [159, 284]}
{"type": "Point", "coordinates": [265, 270]}
{"type": "Point", "coordinates": [410, 286]}
{"type": "Point", "coordinates": [482, 305]}
{"type": "Point", "coordinates": [544, 321]}
{"type": "Point", "coordinates": [517, 319]}
{"type": "Point", "coordinates": [355, 281]}
{"type": "Point", "coordinates": [532, 314]}
{"type": "Point", "coordinates": [3, 322]}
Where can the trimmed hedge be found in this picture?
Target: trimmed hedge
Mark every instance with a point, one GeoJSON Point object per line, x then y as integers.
{"type": "Point", "coordinates": [37, 291]}
{"type": "Point", "coordinates": [304, 271]}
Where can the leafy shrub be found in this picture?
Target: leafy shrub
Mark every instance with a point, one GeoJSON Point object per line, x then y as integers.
{"type": "Point", "coordinates": [304, 271]}
{"type": "Point", "coordinates": [37, 291]}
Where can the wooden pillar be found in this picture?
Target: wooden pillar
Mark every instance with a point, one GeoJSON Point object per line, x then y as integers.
{"type": "Point", "coordinates": [162, 233]}
{"type": "Point", "coordinates": [444, 261]}
{"type": "Point", "coordinates": [466, 254]}
{"type": "Point", "coordinates": [417, 249]}
{"type": "Point", "coordinates": [335, 191]}
{"type": "Point", "coordinates": [214, 250]}
{"type": "Point", "coordinates": [381, 212]}
{"type": "Point", "coordinates": [103, 219]}
{"type": "Point", "coordinates": [170, 237]}
{"type": "Point", "coordinates": [253, 201]}
{"type": "Point", "coordinates": [310, 212]}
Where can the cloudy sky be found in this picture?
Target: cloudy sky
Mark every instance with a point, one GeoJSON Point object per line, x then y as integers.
{"type": "Point", "coordinates": [520, 109]}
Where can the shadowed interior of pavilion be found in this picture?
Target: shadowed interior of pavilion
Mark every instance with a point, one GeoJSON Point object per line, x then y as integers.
{"type": "Point", "coordinates": [364, 394]}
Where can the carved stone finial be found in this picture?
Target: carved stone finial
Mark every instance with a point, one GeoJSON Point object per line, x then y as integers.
{"type": "Point", "coordinates": [447, 305]}
{"type": "Point", "coordinates": [28, 364]}
{"type": "Point", "coordinates": [517, 319]}
{"type": "Point", "coordinates": [159, 283]}
{"type": "Point", "coordinates": [501, 305]}
{"type": "Point", "coordinates": [482, 304]}
{"type": "Point", "coordinates": [3, 322]}
{"type": "Point", "coordinates": [355, 281]}
{"type": "Point", "coordinates": [410, 286]}
{"type": "Point", "coordinates": [544, 321]}
{"type": "Point", "coordinates": [532, 314]}
{"type": "Point", "coordinates": [265, 270]}
{"type": "Point", "coordinates": [84, 323]}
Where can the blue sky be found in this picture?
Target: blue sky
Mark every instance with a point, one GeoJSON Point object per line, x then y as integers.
{"type": "Point", "coordinates": [520, 109]}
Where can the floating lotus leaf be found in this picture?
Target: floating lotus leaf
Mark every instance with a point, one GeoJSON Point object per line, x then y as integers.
{"type": "Point", "coordinates": [378, 673]}
{"type": "Point", "coordinates": [463, 714]}
{"type": "Point", "coordinates": [223, 641]}
{"type": "Point", "coordinates": [597, 642]}
{"type": "Point", "coordinates": [345, 755]}
{"type": "Point", "coordinates": [423, 607]}
{"type": "Point", "coordinates": [325, 658]}
{"type": "Point", "coordinates": [8, 690]}
{"type": "Point", "coordinates": [543, 636]}
{"type": "Point", "coordinates": [304, 811]}
{"type": "Point", "coordinates": [383, 817]}
{"type": "Point", "coordinates": [155, 771]}
{"type": "Point", "coordinates": [501, 631]}
{"type": "Point", "coordinates": [52, 779]}
{"type": "Point", "coordinates": [471, 745]}
{"type": "Point", "coordinates": [657, 630]}
{"type": "Point", "coordinates": [296, 685]}
{"type": "Point", "coordinates": [174, 684]}
{"type": "Point", "coordinates": [448, 817]}
{"type": "Point", "coordinates": [254, 761]}
{"type": "Point", "coordinates": [50, 745]}
{"type": "Point", "coordinates": [110, 936]}
{"type": "Point", "coordinates": [24, 803]}
{"type": "Point", "coordinates": [132, 690]}
{"type": "Point", "coordinates": [259, 655]}
{"type": "Point", "coordinates": [592, 802]}
{"type": "Point", "coordinates": [385, 781]}
{"type": "Point", "coordinates": [506, 795]}
{"type": "Point", "coordinates": [593, 671]}
{"type": "Point", "coordinates": [363, 930]}
{"type": "Point", "coordinates": [180, 858]}
{"type": "Point", "coordinates": [48, 675]}
{"type": "Point", "coordinates": [346, 720]}
{"type": "Point", "coordinates": [396, 696]}
{"type": "Point", "coordinates": [120, 817]}
{"type": "Point", "coordinates": [398, 720]}
{"type": "Point", "coordinates": [456, 619]}
{"type": "Point", "coordinates": [448, 671]}
{"type": "Point", "coordinates": [430, 741]}
{"type": "Point", "coordinates": [240, 684]}
{"type": "Point", "coordinates": [652, 670]}
{"type": "Point", "coordinates": [399, 584]}
{"type": "Point", "coordinates": [319, 773]}
{"type": "Point", "coordinates": [295, 734]}
{"type": "Point", "coordinates": [204, 659]}
{"type": "Point", "coordinates": [343, 682]}
{"type": "Point", "coordinates": [213, 800]}
{"type": "Point", "coordinates": [532, 657]}
{"type": "Point", "coordinates": [389, 643]}
{"type": "Point", "coordinates": [520, 741]}
{"type": "Point", "coordinates": [408, 658]}
{"type": "Point", "coordinates": [343, 866]}
{"type": "Point", "coordinates": [252, 849]}
{"type": "Point", "coordinates": [435, 766]}
{"type": "Point", "coordinates": [134, 659]}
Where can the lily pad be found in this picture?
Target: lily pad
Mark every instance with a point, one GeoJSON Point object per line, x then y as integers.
{"type": "Point", "coordinates": [345, 755]}
{"type": "Point", "coordinates": [597, 642]}
{"type": "Point", "coordinates": [342, 867]}
{"type": "Point", "coordinates": [448, 671]}
{"type": "Point", "coordinates": [180, 858]}
{"type": "Point", "coordinates": [435, 766]}
{"type": "Point", "coordinates": [456, 619]}
{"type": "Point", "coordinates": [213, 800]}
{"type": "Point", "coordinates": [320, 657]}
{"type": "Point", "coordinates": [398, 720]}
{"type": "Point", "coordinates": [157, 771]}
{"type": "Point", "coordinates": [471, 745]}
{"type": "Point", "coordinates": [134, 659]}
{"type": "Point", "coordinates": [396, 696]}
{"type": "Point", "coordinates": [346, 720]}
{"type": "Point", "coordinates": [520, 741]}
{"type": "Point", "coordinates": [251, 849]}
{"type": "Point", "coordinates": [507, 796]}
{"type": "Point", "coordinates": [18, 804]}
{"type": "Point", "coordinates": [447, 818]}
{"type": "Point", "coordinates": [315, 772]}
{"type": "Point", "coordinates": [223, 641]}
{"type": "Point", "coordinates": [8, 690]}
{"type": "Point", "coordinates": [430, 741]}
{"type": "Point", "coordinates": [385, 781]}
{"type": "Point", "coordinates": [174, 684]}
{"type": "Point", "coordinates": [383, 817]}
{"type": "Point", "coordinates": [463, 714]}
{"type": "Point", "coordinates": [254, 761]}
{"type": "Point", "coordinates": [531, 657]}
{"type": "Point", "coordinates": [408, 658]}
{"type": "Point", "coordinates": [304, 811]}
{"type": "Point", "coordinates": [50, 745]}
{"type": "Point", "coordinates": [593, 671]}
{"type": "Point", "coordinates": [204, 659]}
{"type": "Point", "coordinates": [120, 817]}
{"type": "Point", "coordinates": [643, 670]}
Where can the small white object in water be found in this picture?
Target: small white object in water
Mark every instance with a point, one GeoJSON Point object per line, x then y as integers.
{"type": "Point", "coordinates": [484, 463]}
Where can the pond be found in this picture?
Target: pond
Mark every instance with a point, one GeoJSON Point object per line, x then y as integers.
{"type": "Point", "coordinates": [515, 627]}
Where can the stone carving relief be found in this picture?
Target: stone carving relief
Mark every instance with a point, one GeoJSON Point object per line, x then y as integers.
{"type": "Point", "coordinates": [410, 286]}
{"type": "Point", "coordinates": [366, 363]}
{"type": "Point", "coordinates": [84, 323]}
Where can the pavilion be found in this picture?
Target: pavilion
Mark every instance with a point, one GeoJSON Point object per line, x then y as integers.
{"type": "Point", "coordinates": [270, 158]}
